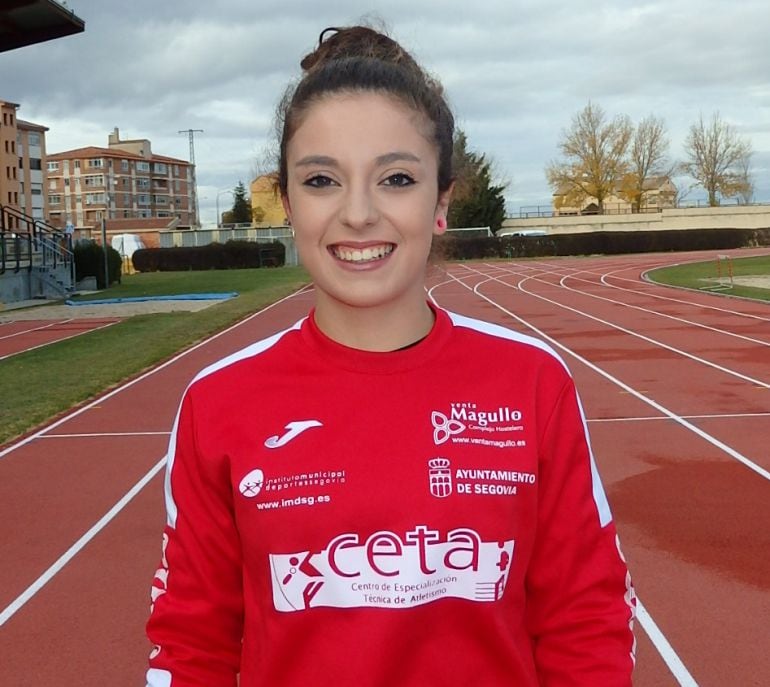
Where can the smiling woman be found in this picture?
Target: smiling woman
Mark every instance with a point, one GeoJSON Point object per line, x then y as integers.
{"type": "Point", "coordinates": [383, 469]}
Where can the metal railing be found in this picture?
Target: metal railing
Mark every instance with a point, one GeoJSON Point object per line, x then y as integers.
{"type": "Point", "coordinates": [26, 243]}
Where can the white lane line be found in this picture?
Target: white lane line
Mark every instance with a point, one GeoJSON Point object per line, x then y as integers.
{"type": "Point", "coordinates": [573, 275]}
{"type": "Point", "coordinates": [645, 399]}
{"type": "Point", "coordinates": [68, 555]}
{"type": "Point", "coordinates": [35, 329]}
{"type": "Point", "coordinates": [660, 286]}
{"type": "Point", "coordinates": [647, 310]}
{"type": "Point", "coordinates": [105, 434]}
{"type": "Point", "coordinates": [64, 338]}
{"type": "Point", "coordinates": [716, 416]}
{"type": "Point", "coordinates": [663, 646]}
{"type": "Point", "coordinates": [666, 651]}
{"type": "Point", "coordinates": [123, 387]}
{"type": "Point", "coordinates": [654, 342]}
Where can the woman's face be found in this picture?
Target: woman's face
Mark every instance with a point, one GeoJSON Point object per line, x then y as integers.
{"type": "Point", "coordinates": [362, 196]}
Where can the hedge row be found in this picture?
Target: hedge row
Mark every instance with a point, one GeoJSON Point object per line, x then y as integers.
{"type": "Point", "coordinates": [215, 256]}
{"type": "Point", "coordinates": [605, 242]}
{"type": "Point", "coordinates": [89, 262]}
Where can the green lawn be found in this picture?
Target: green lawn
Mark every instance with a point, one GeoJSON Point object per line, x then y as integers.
{"type": "Point", "coordinates": [703, 275]}
{"type": "Point", "coordinates": [40, 384]}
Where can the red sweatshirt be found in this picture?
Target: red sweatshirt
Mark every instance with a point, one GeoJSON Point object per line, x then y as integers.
{"type": "Point", "coordinates": [430, 516]}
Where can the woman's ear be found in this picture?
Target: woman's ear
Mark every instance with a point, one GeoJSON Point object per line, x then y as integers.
{"type": "Point", "coordinates": [442, 209]}
{"type": "Point", "coordinates": [286, 206]}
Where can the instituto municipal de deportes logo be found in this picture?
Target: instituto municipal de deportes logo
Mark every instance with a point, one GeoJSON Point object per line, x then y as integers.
{"type": "Point", "coordinates": [440, 477]}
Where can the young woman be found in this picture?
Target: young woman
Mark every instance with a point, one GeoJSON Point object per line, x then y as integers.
{"type": "Point", "coordinates": [364, 499]}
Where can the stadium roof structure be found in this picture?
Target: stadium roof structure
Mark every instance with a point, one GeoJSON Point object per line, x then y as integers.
{"type": "Point", "coordinates": [24, 22]}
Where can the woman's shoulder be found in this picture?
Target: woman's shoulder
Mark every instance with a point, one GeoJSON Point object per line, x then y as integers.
{"type": "Point", "coordinates": [491, 338]}
{"type": "Point", "coordinates": [250, 356]}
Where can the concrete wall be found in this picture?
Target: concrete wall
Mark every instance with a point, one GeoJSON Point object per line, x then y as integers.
{"type": "Point", "coordinates": [733, 217]}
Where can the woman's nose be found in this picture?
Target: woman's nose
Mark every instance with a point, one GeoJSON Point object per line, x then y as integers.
{"type": "Point", "coordinates": [359, 208]}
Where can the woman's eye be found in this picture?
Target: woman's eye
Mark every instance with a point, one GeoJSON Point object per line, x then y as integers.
{"type": "Point", "coordinates": [399, 179]}
{"type": "Point", "coordinates": [319, 181]}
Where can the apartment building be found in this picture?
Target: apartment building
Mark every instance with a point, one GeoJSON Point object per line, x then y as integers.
{"type": "Point", "coordinates": [22, 163]}
{"type": "Point", "coordinates": [124, 181]}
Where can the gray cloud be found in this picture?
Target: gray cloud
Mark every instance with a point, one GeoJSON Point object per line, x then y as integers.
{"type": "Point", "coordinates": [515, 72]}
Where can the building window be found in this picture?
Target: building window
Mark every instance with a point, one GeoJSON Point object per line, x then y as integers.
{"type": "Point", "coordinates": [53, 166]}
{"type": "Point", "coordinates": [33, 138]}
{"type": "Point", "coordinates": [176, 170]}
{"type": "Point", "coordinates": [124, 165]}
{"type": "Point", "coordinates": [52, 184]}
{"type": "Point", "coordinates": [94, 198]}
{"type": "Point", "coordinates": [160, 168]}
{"type": "Point", "coordinates": [143, 199]}
{"type": "Point", "coordinates": [164, 214]}
{"type": "Point", "coordinates": [36, 189]}
{"type": "Point", "coordinates": [160, 200]}
{"type": "Point", "coordinates": [35, 163]}
{"type": "Point", "coordinates": [77, 164]}
{"type": "Point", "coordinates": [96, 162]}
{"type": "Point", "coordinates": [54, 200]}
{"type": "Point", "coordinates": [142, 183]}
{"type": "Point", "coordinates": [94, 180]}
{"type": "Point", "coordinates": [142, 166]}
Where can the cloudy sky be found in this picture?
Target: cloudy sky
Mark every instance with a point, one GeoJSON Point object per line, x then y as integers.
{"type": "Point", "coordinates": [515, 71]}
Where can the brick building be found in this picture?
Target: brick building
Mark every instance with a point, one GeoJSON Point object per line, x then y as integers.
{"type": "Point", "coordinates": [122, 183]}
{"type": "Point", "coordinates": [22, 163]}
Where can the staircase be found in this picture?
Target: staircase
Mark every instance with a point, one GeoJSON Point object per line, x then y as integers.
{"type": "Point", "coordinates": [36, 259]}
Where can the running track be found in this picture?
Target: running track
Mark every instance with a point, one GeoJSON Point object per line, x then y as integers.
{"type": "Point", "coordinates": [26, 335]}
{"type": "Point", "coordinates": [676, 388]}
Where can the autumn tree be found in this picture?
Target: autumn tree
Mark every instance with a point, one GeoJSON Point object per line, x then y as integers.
{"type": "Point", "coordinates": [717, 158]}
{"type": "Point", "coordinates": [647, 156]}
{"type": "Point", "coordinates": [595, 157]}
{"type": "Point", "coordinates": [477, 201]}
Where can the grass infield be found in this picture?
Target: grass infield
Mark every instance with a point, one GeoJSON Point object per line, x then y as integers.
{"type": "Point", "coordinates": [705, 276]}
{"type": "Point", "coordinates": [43, 383]}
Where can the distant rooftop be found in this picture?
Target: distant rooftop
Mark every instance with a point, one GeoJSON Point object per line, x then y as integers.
{"type": "Point", "coordinates": [24, 22]}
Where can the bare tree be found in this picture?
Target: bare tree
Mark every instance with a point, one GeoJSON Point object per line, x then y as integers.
{"type": "Point", "coordinates": [746, 194]}
{"type": "Point", "coordinates": [647, 157]}
{"type": "Point", "coordinates": [595, 157]}
{"type": "Point", "coordinates": [715, 153]}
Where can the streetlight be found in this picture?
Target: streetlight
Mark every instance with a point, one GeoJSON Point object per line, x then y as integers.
{"type": "Point", "coordinates": [219, 193]}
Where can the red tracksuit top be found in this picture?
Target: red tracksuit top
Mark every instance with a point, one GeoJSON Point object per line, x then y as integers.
{"type": "Point", "coordinates": [424, 517]}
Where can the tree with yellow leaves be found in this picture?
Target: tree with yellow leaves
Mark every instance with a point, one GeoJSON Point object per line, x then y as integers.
{"type": "Point", "coordinates": [595, 157]}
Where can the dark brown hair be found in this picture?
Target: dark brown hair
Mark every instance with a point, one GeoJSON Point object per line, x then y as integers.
{"type": "Point", "coordinates": [356, 59]}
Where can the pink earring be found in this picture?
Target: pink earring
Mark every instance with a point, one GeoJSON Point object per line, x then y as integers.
{"type": "Point", "coordinates": [441, 223]}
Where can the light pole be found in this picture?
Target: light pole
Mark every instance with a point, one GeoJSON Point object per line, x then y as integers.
{"type": "Point", "coordinates": [219, 193]}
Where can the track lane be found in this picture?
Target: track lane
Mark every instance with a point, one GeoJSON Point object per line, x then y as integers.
{"type": "Point", "coordinates": [713, 462]}
{"type": "Point", "coordinates": [608, 402]}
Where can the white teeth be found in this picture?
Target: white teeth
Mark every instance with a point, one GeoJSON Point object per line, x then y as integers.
{"type": "Point", "coordinates": [363, 255]}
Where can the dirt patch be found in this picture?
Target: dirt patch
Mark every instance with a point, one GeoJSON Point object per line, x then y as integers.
{"type": "Point", "coordinates": [758, 282]}
{"type": "Point", "coordinates": [104, 310]}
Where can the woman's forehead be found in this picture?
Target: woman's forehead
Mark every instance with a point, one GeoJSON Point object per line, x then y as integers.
{"type": "Point", "coordinates": [369, 117]}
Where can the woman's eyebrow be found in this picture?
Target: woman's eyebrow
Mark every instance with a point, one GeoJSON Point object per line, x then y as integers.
{"type": "Point", "coordinates": [397, 156]}
{"type": "Point", "coordinates": [323, 160]}
{"type": "Point", "coordinates": [380, 160]}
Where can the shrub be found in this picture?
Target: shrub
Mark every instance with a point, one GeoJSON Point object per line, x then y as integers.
{"type": "Point", "coordinates": [214, 256]}
{"type": "Point", "coordinates": [89, 262]}
{"type": "Point", "coordinates": [600, 242]}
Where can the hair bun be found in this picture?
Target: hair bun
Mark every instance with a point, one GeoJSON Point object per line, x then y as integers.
{"type": "Point", "coordinates": [357, 41]}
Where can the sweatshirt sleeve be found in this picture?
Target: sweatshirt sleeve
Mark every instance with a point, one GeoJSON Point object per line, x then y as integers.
{"type": "Point", "coordinates": [196, 622]}
{"type": "Point", "coordinates": [580, 602]}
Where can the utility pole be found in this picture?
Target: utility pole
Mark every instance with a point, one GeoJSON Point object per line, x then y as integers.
{"type": "Point", "coordinates": [191, 133]}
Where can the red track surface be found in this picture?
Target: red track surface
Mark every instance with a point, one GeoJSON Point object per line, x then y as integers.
{"type": "Point", "coordinates": [676, 387]}
{"type": "Point", "coordinates": [24, 335]}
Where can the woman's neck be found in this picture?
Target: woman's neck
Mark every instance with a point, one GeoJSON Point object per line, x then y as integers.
{"type": "Point", "coordinates": [374, 329]}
